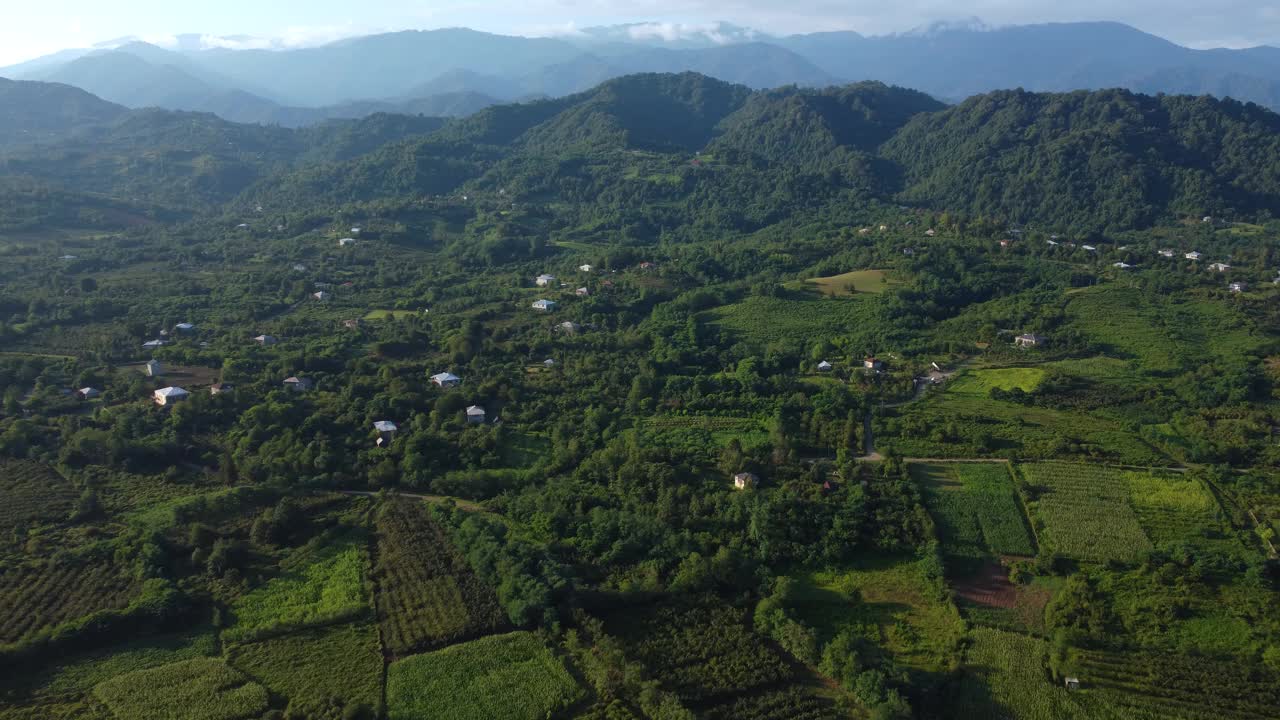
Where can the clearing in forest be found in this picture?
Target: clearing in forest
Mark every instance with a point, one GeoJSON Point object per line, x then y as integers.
{"type": "Point", "coordinates": [852, 283]}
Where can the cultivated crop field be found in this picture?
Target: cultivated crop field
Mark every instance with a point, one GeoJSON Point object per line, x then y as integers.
{"type": "Point", "coordinates": [982, 382]}
{"type": "Point", "coordinates": [501, 677]}
{"type": "Point", "coordinates": [763, 320]}
{"type": "Point", "coordinates": [976, 508]}
{"type": "Point", "coordinates": [33, 493]}
{"type": "Point", "coordinates": [200, 689]}
{"type": "Point", "coordinates": [320, 671]}
{"type": "Point", "coordinates": [1159, 685]}
{"type": "Point", "coordinates": [1011, 666]}
{"type": "Point", "coordinates": [702, 653]}
{"type": "Point", "coordinates": [427, 596]}
{"type": "Point", "coordinates": [1085, 510]}
{"type": "Point", "coordinates": [35, 597]}
{"type": "Point", "coordinates": [1171, 508]}
{"type": "Point", "coordinates": [321, 585]}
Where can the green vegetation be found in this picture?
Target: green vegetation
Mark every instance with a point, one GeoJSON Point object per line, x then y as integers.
{"type": "Point", "coordinates": [322, 672]}
{"type": "Point", "coordinates": [481, 679]}
{"type": "Point", "coordinates": [1085, 510]}
{"type": "Point", "coordinates": [981, 382]}
{"type": "Point", "coordinates": [852, 283]}
{"type": "Point", "coordinates": [319, 587]}
{"type": "Point", "coordinates": [976, 508]}
{"type": "Point", "coordinates": [202, 689]}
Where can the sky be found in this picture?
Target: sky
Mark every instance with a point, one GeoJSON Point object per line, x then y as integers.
{"type": "Point", "coordinates": [36, 28]}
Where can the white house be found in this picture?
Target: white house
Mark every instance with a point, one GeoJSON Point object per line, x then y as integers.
{"type": "Point", "coordinates": [1030, 340]}
{"type": "Point", "coordinates": [586, 268]}
{"type": "Point", "coordinates": [544, 280]}
{"type": "Point", "coordinates": [266, 340]}
{"type": "Point", "coordinates": [88, 393]}
{"type": "Point", "coordinates": [930, 233]}
{"type": "Point", "coordinates": [569, 327]}
{"type": "Point", "coordinates": [298, 384]}
{"type": "Point", "coordinates": [346, 242]}
{"type": "Point", "coordinates": [153, 344]}
{"type": "Point", "coordinates": [475, 415]}
{"type": "Point", "coordinates": [170, 395]}
{"type": "Point", "coordinates": [322, 296]}
{"type": "Point", "coordinates": [1090, 248]}
{"type": "Point", "coordinates": [825, 366]}
{"type": "Point", "coordinates": [544, 305]}
{"type": "Point", "coordinates": [1219, 267]}
{"type": "Point", "coordinates": [355, 231]}
{"type": "Point", "coordinates": [1194, 256]}
{"type": "Point", "coordinates": [582, 292]}
{"type": "Point", "coordinates": [1166, 253]}
{"type": "Point", "coordinates": [153, 368]}
{"type": "Point", "coordinates": [386, 432]}
{"type": "Point", "coordinates": [184, 327]}
{"type": "Point", "coordinates": [1122, 265]}
{"type": "Point", "coordinates": [220, 388]}
{"type": "Point", "coordinates": [548, 363]}
{"type": "Point", "coordinates": [745, 481]}
{"type": "Point", "coordinates": [446, 380]}
{"type": "Point", "coordinates": [1237, 287]}
{"type": "Point", "coordinates": [299, 267]}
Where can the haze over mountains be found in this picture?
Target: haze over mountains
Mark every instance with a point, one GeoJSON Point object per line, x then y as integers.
{"type": "Point", "coordinates": [456, 72]}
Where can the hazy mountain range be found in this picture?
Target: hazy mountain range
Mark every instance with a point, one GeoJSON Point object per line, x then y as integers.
{"type": "Point", "coordinates": [456, 72]}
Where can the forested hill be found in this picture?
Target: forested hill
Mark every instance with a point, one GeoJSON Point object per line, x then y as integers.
{"type": "Point", "coordinates": [35, 112]}
{"type": "Point", "coordinates": [642, 148]}
{"type": "Point", "coordinates": [1092, 160]}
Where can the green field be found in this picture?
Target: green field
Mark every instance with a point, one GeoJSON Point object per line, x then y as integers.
{"type": "Point", "coordinates": [1086, 511]}
{"type": "Point", "coordinates": [1006, 679]}
{"type": "Point", "coordinates": [765, 320]}
{"type": "Point", "coordinates": [852, 283]}
{"type": "Point", "coordinates": [201, 689]}
{"type": "Point", "coordinates": [982, 382]}
{"type": "Point", "coordinates": [319, 671]}
{"type": "Point", "coordinates": [394, 314]}
{"type": "Point", "coordinates": [976, 509]}
{"type": "Point", "coordinates": [887, 601]}
{"type": "Point", "coordinates": [319, 587]}
{"type": "Point", "coordinates": [503, 677]}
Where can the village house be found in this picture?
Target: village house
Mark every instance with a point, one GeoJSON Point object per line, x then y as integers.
{"type": "Point", "coordinates": [883, 228]}
{"type": "Point", "coordinates": [647, 265]}
{"type": "Point", "coordinates": [548, 363]}
{"type": "Point", "coordinates": [585, 268]}
{"type": "Point", "coordinates": [1089, 248]}
{"type": "Point", "coordinates": [298, 384]}
{"type": "Point", "coordinates": [299, 267]}
{"type": "Point", "coordinates": [825, 366]}
{"type": "Point", "coordinates": [570, 328]}
{"type": "Point", "coordinates": [873, 364]}
{"type": "Point", "coordinates": [153, 368]}
{"type": "Point", "coordinates": [266, 340]}
{"type": "Point", "coordinates": [355, 231]}
{"type": "Point", "coordinates": [544, 305]}
{"type": "Point", "coordinates": [1166, 253]}
{"type": "Point", "coordinates": [1194, 256]}
{"type": "Point", "coordinates": [153, 344]}
{"type": "Point", "coordinates": [1237, 287]}
{"type": "Point", "coordinates": [353, 324]}
{"type": "Point", "coordinates": [220, 388]}
{"type": "Point", "coordinates": [184, 327]}
{"type": "Point", "coordinates": [1220, 267]}
{"type": "Point", "coordinates": [386, 432]}
{"type": "Point", "coordinates": [170, 395]}
{"type": "Point", "coordinates": [582, 292]}
{"type": "Point", "coordinates": [745, 481]}
{"type": "Point", "coordinates": [930, 233]}
{"type": "Point", "coordinates": [544, 280]}
{"type": "Point", "coordinates": [446, 380]}
{"type": "Point", "coordinates": [1053, 243]}
{"type": "Point", "coordinates": [322, 296]}
{"type": "Point", "coordinates": [1122, 265]}
{"type": "Point", "coordinates": [1005, 244]}
{"type": "Point", "coordinates": [475, 415]}
{"type": "Point", "coordinates": [908, 251]}
{"type": "Point", "coordinates": [346, 242]}
{"type": "Point", "coordinates": [1030, 340]}
{"type": "Point", "coordinates": [1072, 683]}
{"type": "Point", "coordinates": [88, 393]}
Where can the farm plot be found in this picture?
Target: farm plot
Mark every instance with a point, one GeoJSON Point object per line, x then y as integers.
{"type": "Point", "coordinates": [321, 585]}
{"type": "Point", "coordinates": [201, 689]}
{"type": "Point", "coordinates": [976, 508]}
{"type": "Point", "coordinates": [427, 596]}
{"type": "Point", "coordinates": [1010, 667]}
{"type": "Point", "coordinates": [760, 321]}
{"type": "Point", "coordinates": [501, 677]}
{"type": "Point", "coordinates": [1085, 510]}
{"type": "Point", "coordinates": [321, 671]}
{"type": "Point", "coordinates": [705, 654]}
{"type": "Point", "coordinates": [719, 430]}
{"type": "Point", "coordinates": [1165, 685]}
{"type": "Point", "coordinates": [851, 283]}
{"type": "Point", "coordinates": [1171, 508]}
{"type": "Point", "coordinates": [40, 596]}
{"type": "Point", "coordinates": [33, 493]}
{"type": "Point", "coordinates": [982, 382]}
